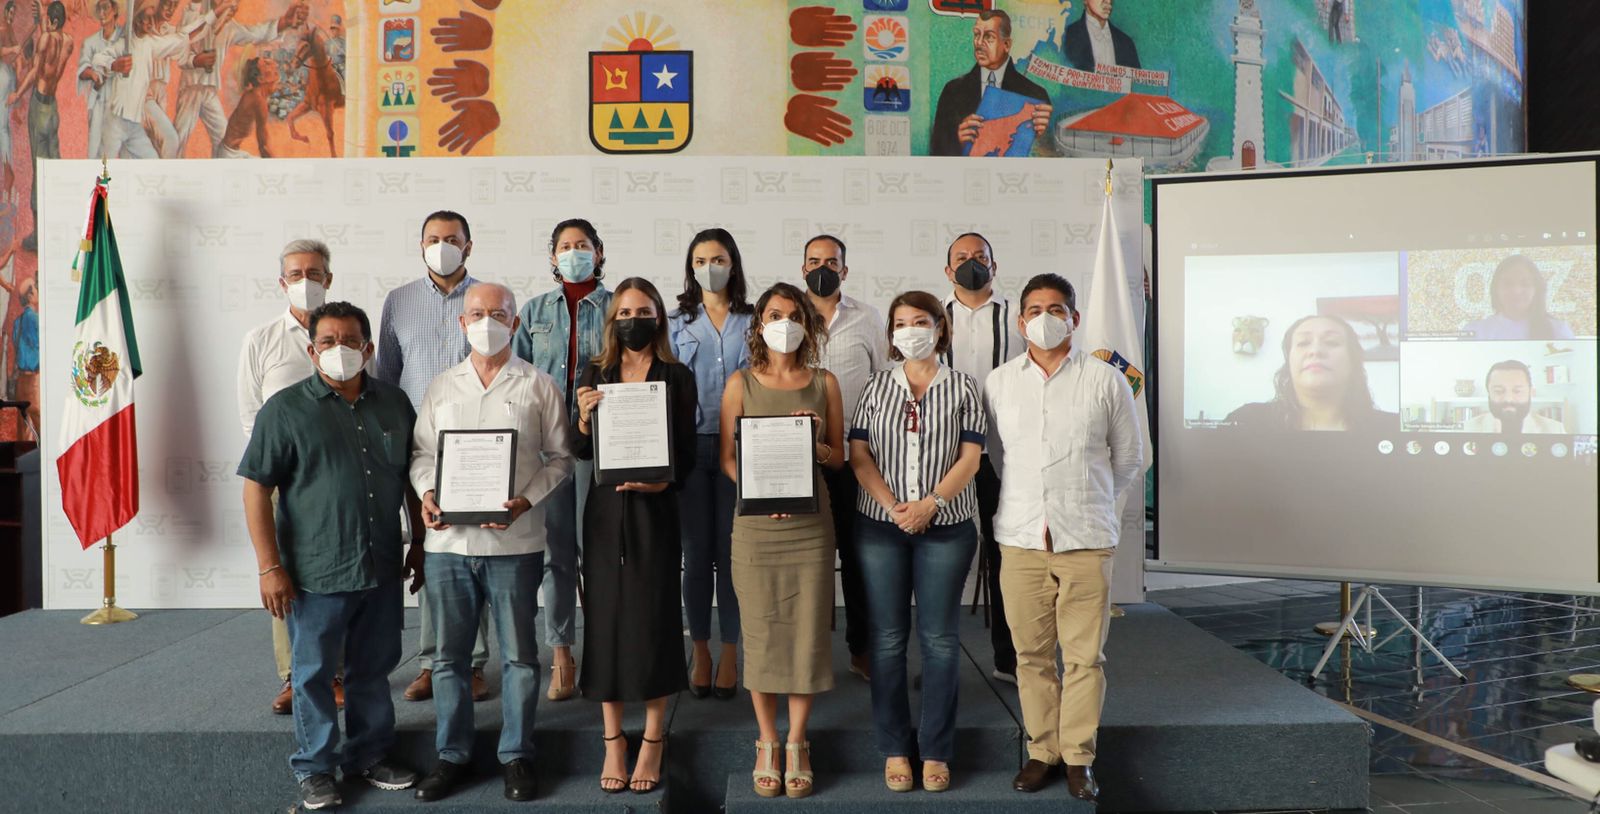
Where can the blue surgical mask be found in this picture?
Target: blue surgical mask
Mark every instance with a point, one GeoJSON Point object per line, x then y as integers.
{"type": "Point", "coordinates": [575, 265]}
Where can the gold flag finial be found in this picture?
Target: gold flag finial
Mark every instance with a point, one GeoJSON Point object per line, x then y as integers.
{"type": "Point", "coordinates": [1108, 178]}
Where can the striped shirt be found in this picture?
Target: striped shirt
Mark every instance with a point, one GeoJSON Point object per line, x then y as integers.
{"type": "Point", "coordinates": [915, 443]}
{"type": "Point", "coordinates": [419, 336]}
{"type": "Point", "coordinates": [982, 338]}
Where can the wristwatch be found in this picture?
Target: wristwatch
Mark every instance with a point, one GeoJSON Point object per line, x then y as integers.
{"type": "Point", "coordinates": [939, 502]}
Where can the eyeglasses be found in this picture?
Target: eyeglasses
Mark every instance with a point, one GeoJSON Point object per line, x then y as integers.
{"type": "Point", "coordinates": [912, 423]}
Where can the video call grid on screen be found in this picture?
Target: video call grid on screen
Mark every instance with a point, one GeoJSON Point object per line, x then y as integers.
{"type": "Point", "coordinates": [1436, 323]}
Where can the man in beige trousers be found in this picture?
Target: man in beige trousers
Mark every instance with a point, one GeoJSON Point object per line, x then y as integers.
{"type": "Point", "coordinates": [1069, 417]}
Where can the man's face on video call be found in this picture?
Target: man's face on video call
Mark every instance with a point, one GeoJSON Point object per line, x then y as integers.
{"type": "Point", "coordinates": [1510, 397]}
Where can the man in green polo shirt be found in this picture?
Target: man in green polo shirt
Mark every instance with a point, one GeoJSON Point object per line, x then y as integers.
{"type": "Point", "coordinates": [336, 446]}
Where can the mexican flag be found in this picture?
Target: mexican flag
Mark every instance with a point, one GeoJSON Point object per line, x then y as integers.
{"type": "Point", "coordinates": [99, 461]}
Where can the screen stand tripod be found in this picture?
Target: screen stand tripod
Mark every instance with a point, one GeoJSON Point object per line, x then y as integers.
{"type": "Point", "coordinates": [1363, 634]}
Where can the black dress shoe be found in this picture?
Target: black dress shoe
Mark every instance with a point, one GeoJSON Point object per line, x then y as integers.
{"type": "Point", "coordinates": [1035, 775]}
{"type": "Point", "coordinates": [700, 690]}
{"type": "Point", "coordinates": [725, 693]}
{"type": "Point", "coordinates": [1080, 783]}
{"type": "Point", "coordinates": [442, 781]}
{"type": "Point", "coordinates": [520, 782]}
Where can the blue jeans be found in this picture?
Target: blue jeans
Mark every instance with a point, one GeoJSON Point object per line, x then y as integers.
{"type": "Point", "coordinates": [458, 587]}
{"type": "Point", "coordinates": [705, 517]}
{"type": "Point", "coordinates": [563, 526]}
{"type": "Point", "coordinates": [933, 566]}
{"type": "Point", "coordinates": [363, 626]}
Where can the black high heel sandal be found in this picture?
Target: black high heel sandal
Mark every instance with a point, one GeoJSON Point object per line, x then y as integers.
{"type": "Point", "coordinates": [622, 782]}
{"type": "Point", "coordinates": [647, 786]}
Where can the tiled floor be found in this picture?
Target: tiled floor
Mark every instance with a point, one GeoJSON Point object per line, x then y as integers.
{"type": "Point", "coordinates": [1514, 649]}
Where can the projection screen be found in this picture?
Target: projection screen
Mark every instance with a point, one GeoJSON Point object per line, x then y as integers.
{"type": "Point", "coordinates": [1380, 374]}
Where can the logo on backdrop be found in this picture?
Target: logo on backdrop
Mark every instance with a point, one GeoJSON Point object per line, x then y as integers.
{"type": "Point", "coordinates": [641, 93]}
{"type": "Point", "coordinates": [94, 370]}
{"type": "Point", "coordinates": [1118, 361]}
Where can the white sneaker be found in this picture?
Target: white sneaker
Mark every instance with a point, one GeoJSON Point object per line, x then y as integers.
{"type": "Point", "coordinates": [998, 675]}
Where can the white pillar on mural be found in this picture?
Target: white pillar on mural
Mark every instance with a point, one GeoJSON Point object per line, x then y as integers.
{"type": "Point", "coordinates": [1249, 132]}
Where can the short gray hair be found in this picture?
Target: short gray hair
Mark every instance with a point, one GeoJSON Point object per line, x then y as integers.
{"type": "Point", "coordinates": [506, 294]}
{"type": "Point", "coordinates": [305, 245]}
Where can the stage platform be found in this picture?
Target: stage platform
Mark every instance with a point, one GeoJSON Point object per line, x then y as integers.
{"type": "Point", "coordinates": [169, 713]}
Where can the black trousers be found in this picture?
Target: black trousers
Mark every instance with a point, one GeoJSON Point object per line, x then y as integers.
{"type": "Point", "coordinates": [842, 490]}
{"type": "Point", "coordinates": [988, 487]}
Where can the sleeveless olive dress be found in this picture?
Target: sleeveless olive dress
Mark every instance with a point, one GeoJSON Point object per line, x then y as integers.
{"type": "Point", "coordinates": [783, 572]}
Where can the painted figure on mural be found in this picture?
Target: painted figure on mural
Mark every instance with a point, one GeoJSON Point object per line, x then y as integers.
{"type": "Point", "coordinates": [10, 56]}
{"type": "Point", "coordinates": [92, 80]}
{"type": "Point", "coordinates": [132, 66]}
{"type": "Point", "coordinates": [24, 338]}
{"type": "Point", "coordinates": [200, 85]}
{"type": "Point", "coordinates": [250, 115]}
{"type": "Point", "coordinates": [157, 122]}
{"type": "Point", "coordinates": [52, 50]}
{"type": "Point", "coordinates": [324, 86]}
{"type": "Point", "coordinates": [1093, 40]}
{"type": "Point", "coordinates": [955, 120]}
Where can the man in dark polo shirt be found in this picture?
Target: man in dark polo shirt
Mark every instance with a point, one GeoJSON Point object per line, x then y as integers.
{"type": "Point", "coordinates": [337, 447]}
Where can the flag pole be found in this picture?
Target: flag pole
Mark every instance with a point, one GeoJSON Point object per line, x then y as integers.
{"type": "Point", "coordinates": [109, 613]}
{"type": "Point", "coordinates": [1116, 610]}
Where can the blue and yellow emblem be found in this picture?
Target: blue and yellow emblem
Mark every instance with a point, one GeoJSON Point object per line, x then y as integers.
{"type": "Point", "coordinates": [1118, 361]}
{"type": "Point", "coordinates": [641, 99]}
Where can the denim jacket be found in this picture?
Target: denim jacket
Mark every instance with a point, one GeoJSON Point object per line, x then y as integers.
{"type": "Point", "coordinates": [542, 339]}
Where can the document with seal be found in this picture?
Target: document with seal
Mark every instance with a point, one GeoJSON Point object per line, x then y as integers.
{"type": "Point", "coordinates": [473, 478]}
{"type": "Point", "coordinates": [632, 434]}
{"type": "Point", "coordinates": [777, 473]}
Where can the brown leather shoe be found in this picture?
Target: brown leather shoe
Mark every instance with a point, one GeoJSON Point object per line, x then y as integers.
{"type": "Point", "coordinates": [338, 692]}
{"type": "Point", "coordinates": [284, 703]}
{"type": "Point", "coordinates": [1035, 775]}
{"type": "Point", "coordinates": [480, 688]}
{"type": "Point", "coordinates": [1081, 784]}
{"type": "Point", "coordinates": [422, 688]}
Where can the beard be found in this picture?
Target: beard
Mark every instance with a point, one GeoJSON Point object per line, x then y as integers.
{"type": "Point", "coordinates": [1510, 413]}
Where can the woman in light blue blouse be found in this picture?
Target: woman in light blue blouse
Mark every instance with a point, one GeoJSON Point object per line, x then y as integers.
{"type": "Point", "coordinates": [708, 330]}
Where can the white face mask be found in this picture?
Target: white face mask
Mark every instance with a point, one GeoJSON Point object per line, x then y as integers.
{"type": "Point", "coordinates": [575, 265]}
{"type": "Point", "coordinates": [915, 342]}
{"type": "Point", "coordinates": [712, 276]}
{"type": "Point", "coordinates": [307, 295]}
{"type": "Point", "coordinates": [488, 336]}
{"type": "Point", "coordinates": [1048, 331]}
{"type": "Point", "coordinates": [340, 363]}
{"type": "Point", "coordinates": [783, 335]}
{"type": "Point", "coordinates": [443, 258]}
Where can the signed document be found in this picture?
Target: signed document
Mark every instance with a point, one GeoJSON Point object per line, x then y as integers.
{"type": "Point", "coordinates": [777, 474]}
{"type": "Point", "coordinates": [473, 479]}
{"type": "Point", "coordinates": [633, 434]}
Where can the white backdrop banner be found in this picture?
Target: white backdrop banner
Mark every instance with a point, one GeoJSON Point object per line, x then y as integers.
{"type": "Point", "coordinates": [200, 243]}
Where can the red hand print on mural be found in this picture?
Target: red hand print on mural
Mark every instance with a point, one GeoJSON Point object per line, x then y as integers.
{"type": "Point", "coordinates": [469, 32]}
{"type": "Point", "coordinates": [819, 27]}
{"type": "Point", "coordinates": [466, 80]}
{"type": "Point", "coordinates": [474, 119]}
{"type": "Point", "coordinates": [820, 70]}
{"type": "Point", "coordinates": [813, 117]}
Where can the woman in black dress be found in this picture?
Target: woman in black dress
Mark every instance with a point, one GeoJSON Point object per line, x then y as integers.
{"type": "Point", "coordinates": [633, 628]}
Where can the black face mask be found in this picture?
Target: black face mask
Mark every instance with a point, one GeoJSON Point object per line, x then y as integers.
{"type": "Point", "coordinates": [972, 275]}
{"type": "Point", "coordinates": [823, 282]}
{"type": "Point", "coordinates": [636, 333]}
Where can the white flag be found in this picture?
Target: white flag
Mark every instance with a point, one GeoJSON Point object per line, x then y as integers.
{"type": "Point", "coordinates": [1110, 330]}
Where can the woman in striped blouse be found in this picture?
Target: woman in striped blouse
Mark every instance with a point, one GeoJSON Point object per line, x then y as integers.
{"type": "Point", "coordinates": [915, 446]}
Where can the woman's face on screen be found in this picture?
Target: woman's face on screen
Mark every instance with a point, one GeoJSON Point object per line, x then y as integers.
{"type": "Point", "coordinates": [1319, 356]}
{"type": "Point", "coordinates": [1515, 292]}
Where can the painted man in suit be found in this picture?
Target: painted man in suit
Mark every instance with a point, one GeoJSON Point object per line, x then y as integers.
{"type": "Point", "coordinates": [955, 119]}
{"type": "Point", "coordinates": [1093, 40]}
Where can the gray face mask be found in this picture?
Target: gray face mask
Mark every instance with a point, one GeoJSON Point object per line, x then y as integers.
{"type": "Point", "coordinates": [713, 276]}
